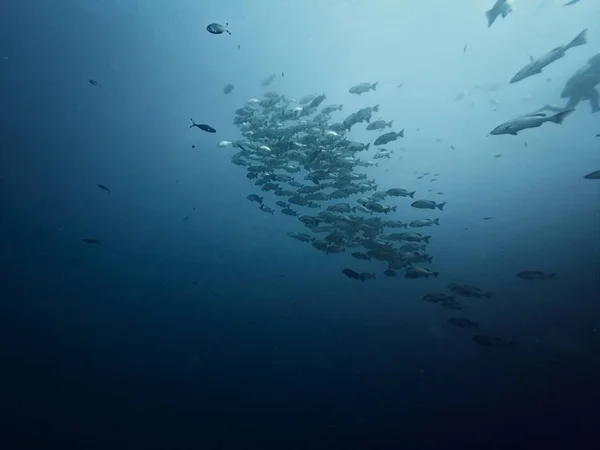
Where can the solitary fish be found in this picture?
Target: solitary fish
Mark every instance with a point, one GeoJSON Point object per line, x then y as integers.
{"type": "Point", "coordinates": [535, 119]}
{"type": "Point", "coordinates": [227, 89]}
{"type": "Point", "coordinates": [267, 81]}
{"type": "Point", "coordinates": [492, 341]}
{"type": "Point", "coordinates": [461, 322]}
{"type": "Point", "coordinates": [104, 188]}
{"type": "Point", "coordinates": [593, 176]}
{"type": "Point", "coordinates": [202, 126]}
{"type": "Point", "coordinates": [91, 241]}
{"type": "Point", "coordinates": [535, 66]}
{"type": "Point", "coordinates": [95, 83]}
{"type": "Point", "coordinates": [500, 8]}
{"type": "Point", "coordinates": [536, 275]}
{"type": "Point", "coordinates": [217, 28]}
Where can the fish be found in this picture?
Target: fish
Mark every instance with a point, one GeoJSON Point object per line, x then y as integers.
{"type": "Point", "coordinates": [535, 119]}
{"type": "Point", "coordinates": [228, 88]}
{"type": "Point", "coordinates": [535, 66]}
{"type": "Point", "coordinates": [95, 83]}
{"type": "Point", "coordinates": [202, 126]}
{"type": "Point", "coordinates": [571, 2]}
{"type": "Point", "coordinates": [255, 198]}
{"type": "Point", "coordinates": [536, 275]}
{"type": "Point", "coordinates": [469, 291]}
{"type": "Point", "coordinates": [500, 8]}
{"type": "Point", "coordinates": [388, 137]}
{"type": "Point", "coordinates": [92, 241]}
{"type": "Point", "coordinates": [593, 175]}
{"type": "Point", "coordinates": [267, 209]}
{"type": "Point", "coordinates": [267, 81]}
{"type": "Point", "coordinates": [399, 192]}
{"type": "Point", "coordinates": [217, 28]}
{"type": "Point", "coordinates": [419, 272]}
{"type": "Point", "coordinates": [104, 188]}
{"type": "Point", "coordinates": [582, 85]}
{"type": "Point", "coordinates": [361, 88]}
{"type": "Point", "coordinates": [487, 340]}
{"type": "Point", "coordinates": [428, 204]}
{"type": "Point", "coordinates": [461, 322]}
{"type": "Point", "coordinates": [379, 125]}
{"type": "Point", "coordinates": [358, 276]}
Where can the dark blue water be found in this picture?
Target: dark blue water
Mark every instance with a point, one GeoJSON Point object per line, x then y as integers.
{"type": "Point", "coordinates": [114, 346]}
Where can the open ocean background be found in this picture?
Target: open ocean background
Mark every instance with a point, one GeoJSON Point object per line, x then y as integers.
{"type": "Point", "coordinates": [114, 346]}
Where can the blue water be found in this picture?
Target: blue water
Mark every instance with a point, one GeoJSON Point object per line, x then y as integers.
{"type": "Point", "coordinates": [114, 346]}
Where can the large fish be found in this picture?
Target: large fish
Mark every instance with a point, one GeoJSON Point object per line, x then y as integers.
{"type": "Point", "coordinates": [535, 66]}
{"type": "Point", "coordinates": [500, 8]}
{"type": "Point", "coordinates": [532, 120]}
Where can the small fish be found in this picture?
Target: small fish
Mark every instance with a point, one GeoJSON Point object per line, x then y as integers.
{"type": "Point", "coordinates": [217, 28]}
{"type": "Point", "coordinates": [267, 81]}
{"type": "Point", "coordinates": [461, 322]}
{"type": "Point", "coordinates": [91, 241]}
{"type": "Point", "coordinates": [492, 341]}
{"type": "Point", "coordinates": [197, 283]}
{"type": "Point", "coordinates": [104, 188]}
{"type": "Point", "coordinates": [465, 48]}
{"type": "Point", "coordinates": [228, 88]}
{"type": "Point", "coordinates": [571, 2]}
{"type": "Point", "coordinates": [95, 83]}
{"type": "Point", "coordinates": [358, 276]}
{"type": "Point", "coordinates": [486, 218]}
{"type": "Point", "coordinates": [536, 275]}
{"type": "Point", "coordinates": [390, 273]}
{"type": "Point", "coordinates": [267, 209]}
{"type": "Point", "coordinates": [202, 126]}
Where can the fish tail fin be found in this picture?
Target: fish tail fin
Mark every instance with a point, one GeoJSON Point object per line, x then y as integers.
{"type": "Point", "coordinates": [394, 208]}
{"type": "Point", "coordinates": [389, 124]}
{"type": "Point", "coordinates": [436, 221]}
{"type": "Point", "coordinates": [404, 225]}
{"type": "Point", "coordinates": [367, 146]}
{"type": "Point", "coordinates": [435, 274]}
{"type": "Point", "coordinates": [489, 14]}
{"type": "Point", "coordinates": [430, 259]}
{"type": "Point", "coordinates": [376, 108]}
{"type": "Point", "coordinates": [558, 118]}
{"type": "Point", "coordinates": [426, 239]}
{"type": "Point", "coordinates": [401, 133]}
{"type": "Point", "coordinates": [580, 39]}
{"type": "Point", "coordinates": [193, 123]}
{"type": "Point", "coordinates": [552, 276]}
{"type": "Point", "coordinates": [341, 107]}
{"type": "Point", "coordinates": [489, 295]}
{"type": "Point", "coordinates": [374, 85]}
{"type": "Point", "coordinates": [440, 206]}
{"type": "Point", "coordinates": [412, 194]}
